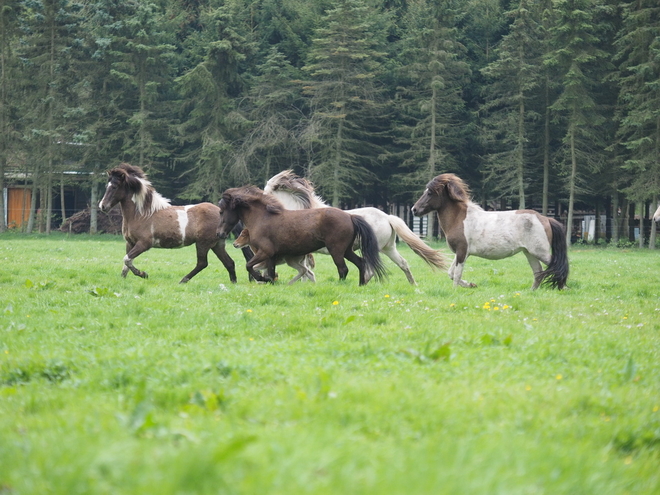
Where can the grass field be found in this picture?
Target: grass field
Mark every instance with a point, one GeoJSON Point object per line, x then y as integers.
{"type": "Point", "coordinates": [131, 386]}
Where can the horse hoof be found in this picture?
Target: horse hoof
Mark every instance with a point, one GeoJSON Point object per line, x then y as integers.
{"type": "Point", "coordinates": [144, 275]}
{"type": "Point", "coordinates": [184, 280]}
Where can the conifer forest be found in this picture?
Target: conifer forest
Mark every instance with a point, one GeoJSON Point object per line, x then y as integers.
{"type": "Point", "coordinates": [545, 104]}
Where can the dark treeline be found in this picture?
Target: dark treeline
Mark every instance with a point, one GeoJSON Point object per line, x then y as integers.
{"type": "Point", "coordinates": [552, 104]}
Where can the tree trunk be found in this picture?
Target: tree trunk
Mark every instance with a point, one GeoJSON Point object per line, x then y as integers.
{"type": "Point", "coordinates": [571, 186]}
{"type": "Point", "coordinates": [521, 152]}
{"type": "Point", "coordinates": [546, 149]}
{"type": "Point", "coordinates": [615, 218]}
{"type": "Point", "coordinates": [654, 205]}
{"type": "Point", "coordinates": [335, 179]}
{"type": "Point", "coordinates": [642, 206]}
{"type": "Point", "coordinates": [94, 208]}
{"type": "Point", "coordinates": [33, 200]}
{"type": "Point", "coordinates": [62, 202]}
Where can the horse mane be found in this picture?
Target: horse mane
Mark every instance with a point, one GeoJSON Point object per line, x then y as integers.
{"type": "Point", "coordinates": [147, 200]}
{"type": "Point", "coordinates": [456, 188]}
{"type": "Point", "coordinates": [247, 195]}
{"type": "Point", "coordinates": [298, 188]}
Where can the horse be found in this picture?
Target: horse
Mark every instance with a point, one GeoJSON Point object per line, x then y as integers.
{"type": "Point", "coordinates": [276, 231]}
{"type": "Point", "coordinates": [296, 262]}
{"type": "Point", "coordinates": [656, 215]}
{"type": "Point", "coordinates": [149, 220]}
{"type": "Point", "coordinates": [298, 193]}
{"type": "Point", "coordinates": [494, 235]}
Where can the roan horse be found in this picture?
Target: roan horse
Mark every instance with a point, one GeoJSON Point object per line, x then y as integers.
{"type": "Point", "coordinates": [297, 262]}
{"type": "Point", "coordinates": [149, 220]}
{"type": "Point", "coordinates": [276, 231]}
{"type": "Point", "coordinates": [297, 193]}
{"type": "Point", "coordinates": [494, 235]}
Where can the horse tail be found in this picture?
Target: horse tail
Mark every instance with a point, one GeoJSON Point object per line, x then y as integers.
{"type": "Point", "coordinates": [433, 257]}
{"type": "Point", "coordinates": [369, 247]}
{"type": "Point", "coordinates": [557, 270]}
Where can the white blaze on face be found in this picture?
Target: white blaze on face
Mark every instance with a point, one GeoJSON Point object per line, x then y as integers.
{"type": "Point", "coordinates": [182, 216]}
{"type": "Point", "coordinates": [106, 190]}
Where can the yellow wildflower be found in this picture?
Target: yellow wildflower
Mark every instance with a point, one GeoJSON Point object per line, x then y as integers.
{"type": "Point", "coordinates": [334, 303]}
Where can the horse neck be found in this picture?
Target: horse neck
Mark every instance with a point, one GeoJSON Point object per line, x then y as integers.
{"type": "Point", "coordinates": [128, 210]}
{"type": "Point", "coordinates": [452, 214]}
{"type": "Point", "coordinates": [249, 214]}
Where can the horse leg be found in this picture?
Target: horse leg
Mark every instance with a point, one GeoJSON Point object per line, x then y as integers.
{"type": "Point", "coordinates": [256, 259]}
{"type": "Point", "coordinates": [537, 269]}
{"type": "Point", "coordinates": [303, 271]}
{"type": "Point", "coordinates": [338, 258]}
{"type": "Point", "coordinates": [124, 268]}
{"type": "Point", "coordinates": [456, 272]}
{"type": "Point", "coordinates": [225, 259]}
{"type": "Point", "coordinates": [132, 253]}
{"type": "Point", "coordinates": [202, 262]}
{"type": "Point", "coordinates": [391, 252]}
{"type": "Point", "coordinates": [359, 262]}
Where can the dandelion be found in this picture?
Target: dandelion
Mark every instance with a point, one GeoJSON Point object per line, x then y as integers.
{"type": "Point", "coordinates": [387, 295]}
{"type": "Point", "coordinates": [655, 408]}
{"type": "Point", "coordinates": [452, 305]}
{"type": "Point", "coordinates": [505, 306]}
{"type": "Point", "coordinates": [249, 311]}
{"type": "Point", "coordinates": [335, 303]}
{"type": "Point", "coordinates": [559, 377]}
{"type": "Point", "coordinates": [496, 308]}
{"type": "Point", "coordinates": [528, 387]}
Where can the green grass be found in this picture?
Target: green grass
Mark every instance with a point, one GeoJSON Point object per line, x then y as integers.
{"type": "Point", "coordinates": [113, 386]}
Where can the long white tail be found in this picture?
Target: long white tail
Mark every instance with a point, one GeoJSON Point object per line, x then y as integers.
{"type": "Point", "coordinates": [433, 257]}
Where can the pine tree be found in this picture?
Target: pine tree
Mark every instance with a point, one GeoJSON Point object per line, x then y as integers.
{"type": "Point", "coordinates": [274, 109]}
{"type": "Point", "coordinates": [345, 98]}
{"type": "Point", "coordinates": [50, 44]}
{"type": "Point", "coordinates": [9, 12]}
{"type": "Point", "coordinates": [581, 65]}
{"type": "Point", "coordinates": [210, 124]}
{"type": "Point", "coordinates": [515, 77]}
{"type": "Point", "coordinates": [639, 74]}
{"type": "Point", "coordinates": [432, 74]}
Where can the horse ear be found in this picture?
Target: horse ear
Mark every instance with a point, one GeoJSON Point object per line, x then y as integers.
{"type": "Point", "coordinates": [235, 202]}
{"type": "Point", "coordinates": [133, 183]}
{"type": "Point", "coordinates": [456, 190]}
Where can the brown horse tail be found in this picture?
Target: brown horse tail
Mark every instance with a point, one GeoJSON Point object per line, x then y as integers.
{"type": "Point", "coordinates": [433, 257]}
{"type": "Point", "coordinates": [369, 247]}
{"type": "Point", "coordinates": [556, 273]}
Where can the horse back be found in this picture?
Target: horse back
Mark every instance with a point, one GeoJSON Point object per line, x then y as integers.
{"type": "Point", "coordinates": [499, 234]}
{"type": "Point", "coordinates": [179, 226]}
{"type": "Point", "coordinates": [299, 232]}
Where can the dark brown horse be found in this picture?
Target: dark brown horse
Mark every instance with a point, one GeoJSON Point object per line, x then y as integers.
{"type": "Point", "coordinates": [276, 232]}
{"type": "Point", "coordinates": [149, 220]}
{"type": "Point", "coordinates": [297, 262]}
{"type": "Point", "coordinates": [494, 235]}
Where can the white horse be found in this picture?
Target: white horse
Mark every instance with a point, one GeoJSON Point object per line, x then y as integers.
{"type": "Point", "coordinates": [656, 215]}
{"type": "Point", "coordinates": [494, 235]}
{"type": "Point", "coordinates": [297, 193]}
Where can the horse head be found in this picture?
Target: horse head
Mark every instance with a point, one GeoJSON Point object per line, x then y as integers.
{"type": "Point", "coordinates": [440, 191]}
{"type": "Point", "coordinates": [123, 181]}
{"type": "Point", "coordinates": [229, 206]}
{"type": "Point", "coordinates": [243, 239]}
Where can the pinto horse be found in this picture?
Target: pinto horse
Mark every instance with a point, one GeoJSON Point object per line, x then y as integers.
{"type": "Point", "coordinates": [276, 231]}
{"type": "Point", "coordinates": [297, 193]}
{"type": "Point", "coordinates": [297, 262]}
{"type": "Point", "coordinates": [494, 235]}
{"type": "Point", "coordinates": [149, 220]}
